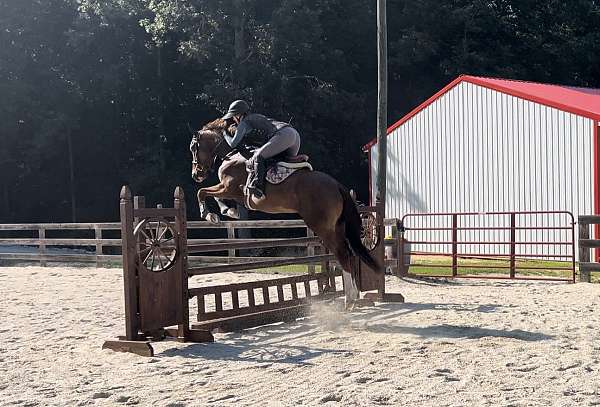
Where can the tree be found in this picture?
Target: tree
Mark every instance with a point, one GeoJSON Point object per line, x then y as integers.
{"type": "Point", "coordinates": [125, 80]}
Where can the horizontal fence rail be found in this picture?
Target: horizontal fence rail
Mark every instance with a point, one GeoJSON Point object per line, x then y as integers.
{"type": "Point", "coordinates": [88, 243]}
{"type": "Point", "coordinates": [82, 248]}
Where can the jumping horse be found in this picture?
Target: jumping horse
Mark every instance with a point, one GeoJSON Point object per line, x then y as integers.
{"type": "Point", "coordinates": [323, 203]}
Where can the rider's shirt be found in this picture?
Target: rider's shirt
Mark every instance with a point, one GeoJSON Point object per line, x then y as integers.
{"type": "Point", "coordinates": [254, 129]}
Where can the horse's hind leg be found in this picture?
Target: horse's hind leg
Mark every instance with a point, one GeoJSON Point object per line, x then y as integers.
{"type": "Point", "coordinates": [335, 241]}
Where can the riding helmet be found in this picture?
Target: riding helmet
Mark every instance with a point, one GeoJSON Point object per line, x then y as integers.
{"type": "Point", "coordinates": [236, 107]}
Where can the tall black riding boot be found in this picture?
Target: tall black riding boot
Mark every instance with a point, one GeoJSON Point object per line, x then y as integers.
{"type": "Point", "coordinates": [256, 186]}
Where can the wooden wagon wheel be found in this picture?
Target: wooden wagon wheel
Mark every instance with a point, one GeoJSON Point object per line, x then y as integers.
{"type": "Point", "coordinates": [369, 234]}
{"type": "Point", "coordinates": [156, 244]}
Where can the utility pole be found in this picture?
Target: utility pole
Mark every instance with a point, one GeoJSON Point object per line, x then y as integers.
{"type": "Point", "coordinates": [381, 104]}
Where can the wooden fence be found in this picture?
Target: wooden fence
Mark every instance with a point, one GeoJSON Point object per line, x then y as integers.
{"type": "Point", "coordinates": [586, 266]}
{"type": "Point", "coordinates": [96, 248]}
{"type": "Point", "coordinates": [99, 250]}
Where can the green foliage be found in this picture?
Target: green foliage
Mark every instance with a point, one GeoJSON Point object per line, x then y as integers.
{"type": "Point", "coordinates": [126, 79]}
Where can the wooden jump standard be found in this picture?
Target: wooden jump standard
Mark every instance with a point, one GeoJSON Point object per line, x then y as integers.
{"type": "Point", "coordinates": [156, 273]}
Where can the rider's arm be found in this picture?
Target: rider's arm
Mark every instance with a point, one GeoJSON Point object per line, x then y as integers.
{"type": "Point", "coordinates": [244, 151]}
{"type": "Point", "coordinates": [242, 129]}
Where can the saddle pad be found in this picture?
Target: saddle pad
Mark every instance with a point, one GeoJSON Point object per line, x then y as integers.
{"type": "Point", "coordinates": [282, 170]}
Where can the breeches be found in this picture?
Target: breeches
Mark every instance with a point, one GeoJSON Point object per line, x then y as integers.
{"type": "Point", "coordinates": [285, 140]}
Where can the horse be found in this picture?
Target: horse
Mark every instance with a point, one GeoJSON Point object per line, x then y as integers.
{"type": "Point", "coordinates": [324, 204]}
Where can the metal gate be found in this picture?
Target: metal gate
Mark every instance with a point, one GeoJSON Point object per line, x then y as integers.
{"type": "Point", "coordinates": [516, 245]}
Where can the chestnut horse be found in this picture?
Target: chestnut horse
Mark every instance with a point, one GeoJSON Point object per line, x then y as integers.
{"type": "Point", "coordinates": [324, 204]}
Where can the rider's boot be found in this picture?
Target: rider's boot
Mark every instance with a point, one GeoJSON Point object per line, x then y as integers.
{"type": "Point", "coordinates": [256, 186]}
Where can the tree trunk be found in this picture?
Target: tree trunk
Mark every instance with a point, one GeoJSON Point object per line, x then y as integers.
{"type": "Point", "coordinates": [161, 113]}
{"type": "Point", "coordinates": [71, 177]}
{"type": "Point", "coordinates": [239, 39]}
{"type": "Point", "coordinates": [5, 202]}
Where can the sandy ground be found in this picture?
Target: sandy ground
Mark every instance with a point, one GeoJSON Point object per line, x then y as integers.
{"type": "Point", "coordinates": [468, 343]}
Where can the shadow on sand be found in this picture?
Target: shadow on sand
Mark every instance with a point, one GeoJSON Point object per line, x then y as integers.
{"type": "Point", "coordinates": [472, 282]}
{"type": "Point", "coordinates": [458, 331]}
{"type": "Point", "coordinates": [271, 343]}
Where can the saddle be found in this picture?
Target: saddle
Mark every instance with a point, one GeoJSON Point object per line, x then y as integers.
{"type": "Point", "coordinates": [280, 167]}
{"type": "Point", "coordinates": [296, 159]}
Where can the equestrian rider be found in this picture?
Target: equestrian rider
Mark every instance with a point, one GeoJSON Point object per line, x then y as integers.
{"type": "Point", "coordinates": [273, 137]}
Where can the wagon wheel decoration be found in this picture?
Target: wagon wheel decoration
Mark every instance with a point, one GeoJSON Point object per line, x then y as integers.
{"type": "Point", "coordinates": [156, 244]}
{"type": "Point", "coordinates": [369, 233]}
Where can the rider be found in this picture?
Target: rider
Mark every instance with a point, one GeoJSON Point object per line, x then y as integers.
{"type": "Point", "coordinates": [273, 136]}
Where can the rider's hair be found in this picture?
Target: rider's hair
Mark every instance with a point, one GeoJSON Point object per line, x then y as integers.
{"type": "Point", "coordinates": [216, 125]}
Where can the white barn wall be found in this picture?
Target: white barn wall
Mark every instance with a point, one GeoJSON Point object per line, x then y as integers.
{"type": "Point", "coordinates": [475, 149]}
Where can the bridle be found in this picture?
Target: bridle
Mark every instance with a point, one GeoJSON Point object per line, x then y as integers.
{"type": "Point", "coordinates": [219, 152]}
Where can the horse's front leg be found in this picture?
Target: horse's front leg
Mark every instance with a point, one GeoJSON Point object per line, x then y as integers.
{"type": "Point", "coordinates": [227, 210]}
{"type": "Point", "coordinates": [203, 193]}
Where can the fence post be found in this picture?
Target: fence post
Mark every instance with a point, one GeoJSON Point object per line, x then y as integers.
{"type": "Point", "coordinates": [42, 246]}
{"type": "Point", "coordinates": [138, 203]}
{"type": "Point", "coordinates": [310, 250]}
{"type": "Point", "coordinates": [394, 252]}
{"type": "Point", "coordinates": [132, 321]}
{"type": "Point", "coordinates": [183, 328]}
{"type": "Point", "coordinates": [454, 245]}
{"type": "Point", "coordinates": [231, 235]}
{"type": "Point", "coordinates": [584, 252]}
{"type": "Point", "coordinates": [324, 263]}
{"type": "Point", "coordinates": [401, 267]}
{"type": "Point", "coordinates": [98, 235]}
{"type": "Point", "coordinates": [513, 237]}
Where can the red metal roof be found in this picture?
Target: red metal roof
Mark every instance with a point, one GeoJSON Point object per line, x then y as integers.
{"type": "Point", "coordinates": [580, 101]}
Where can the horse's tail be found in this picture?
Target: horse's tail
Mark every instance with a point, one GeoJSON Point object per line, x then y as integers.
{"type": "Point", "coordinates": [353, 227]}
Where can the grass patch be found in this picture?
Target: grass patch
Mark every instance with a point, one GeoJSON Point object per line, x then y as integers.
{"type": "Point", "coordinates": [291, 269]}
{"type": "Point", "coordinates": [431, 265]}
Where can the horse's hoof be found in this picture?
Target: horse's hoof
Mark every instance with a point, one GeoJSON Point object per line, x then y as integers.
{"type": "Point", "coordinates": [233, 213]}
{"type": "Point", "coordinates": [213, 218]}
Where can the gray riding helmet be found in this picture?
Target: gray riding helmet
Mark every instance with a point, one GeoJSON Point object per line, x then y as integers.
{"type": "Point", "coordinates": [236, 107]}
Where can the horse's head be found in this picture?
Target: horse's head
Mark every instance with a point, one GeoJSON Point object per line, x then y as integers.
{"type": "Point", "coordinates": [202, 148]}
{"type": "Point", "coordinates": [205, 149]}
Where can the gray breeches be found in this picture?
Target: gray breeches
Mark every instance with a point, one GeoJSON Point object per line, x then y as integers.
{"type": "Point", "coordinates": [285, 140]}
